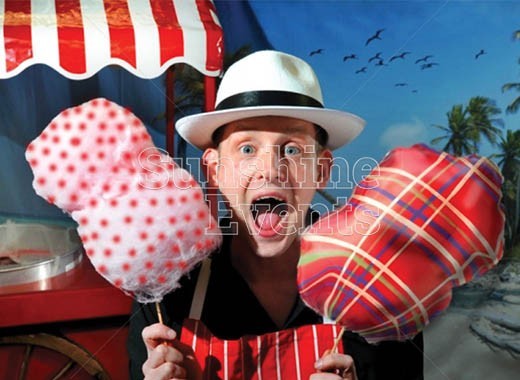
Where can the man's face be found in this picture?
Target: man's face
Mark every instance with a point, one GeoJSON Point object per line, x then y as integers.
{"type": "Point", "coordinates": [268, 169]}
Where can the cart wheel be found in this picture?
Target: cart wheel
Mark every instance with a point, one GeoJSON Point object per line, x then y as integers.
{"type": "Point", "coordinates": [49, 357]}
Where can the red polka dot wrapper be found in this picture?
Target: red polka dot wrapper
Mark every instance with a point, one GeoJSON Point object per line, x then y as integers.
{"type": "Point", "coordinates": [421, 223]}
{"type": "Point", "coordinates": [142, 219]}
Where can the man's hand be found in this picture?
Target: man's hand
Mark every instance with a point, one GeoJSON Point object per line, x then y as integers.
{"type": "Point", "coordinates": [167, 357]}
{"type": "Point", "coordinates": [334, 366]}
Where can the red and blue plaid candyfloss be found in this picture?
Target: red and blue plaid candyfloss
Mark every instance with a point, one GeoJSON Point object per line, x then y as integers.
{"type": "Point", "coordinates": [422, 222]}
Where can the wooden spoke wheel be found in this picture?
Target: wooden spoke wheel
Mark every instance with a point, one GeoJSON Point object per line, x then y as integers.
{"type": "Point", "coordinates": [47, 357]}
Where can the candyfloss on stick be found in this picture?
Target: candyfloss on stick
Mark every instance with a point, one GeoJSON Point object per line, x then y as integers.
{"type": "Point", "coordinates": [142, 219]}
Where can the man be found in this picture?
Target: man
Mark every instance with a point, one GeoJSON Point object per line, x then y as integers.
{"type": "Point", "coordinates": [267, 148]}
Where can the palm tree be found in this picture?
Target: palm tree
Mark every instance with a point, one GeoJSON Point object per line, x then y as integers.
{"type": "Point", "coordinates": [509, 162]}
{"type": "Point", "coordinates": [482, 122]}
{"type": "Point", "coordinates": [509, 156]}
{"type": "Point", "coordinates": [515, 104]}
{"type": "Point", "coordinates": [467, 125]}
{"type": "Point", "coordinates": [459, 133]}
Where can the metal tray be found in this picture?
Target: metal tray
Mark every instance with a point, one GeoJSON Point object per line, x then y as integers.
{"type": "Point", "coordinates": [58, 250]}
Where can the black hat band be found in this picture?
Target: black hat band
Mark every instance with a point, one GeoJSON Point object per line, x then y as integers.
{"type": "Point", "coordinates": [267, 98]}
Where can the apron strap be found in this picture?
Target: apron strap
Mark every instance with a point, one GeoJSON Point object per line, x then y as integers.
{"type": "Point", "coordinates": [201, 287]}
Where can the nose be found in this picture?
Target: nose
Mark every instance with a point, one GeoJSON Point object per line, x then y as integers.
{"type": "Point", "coordinates": [270, 167]}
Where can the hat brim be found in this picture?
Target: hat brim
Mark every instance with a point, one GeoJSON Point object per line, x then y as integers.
{"type": "Point", "coordinates": [342, 127]}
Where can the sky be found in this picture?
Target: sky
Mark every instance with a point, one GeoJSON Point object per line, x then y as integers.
{"type": "Point", "coordinates": [453, 32]}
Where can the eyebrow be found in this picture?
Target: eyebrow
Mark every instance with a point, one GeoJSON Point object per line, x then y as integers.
{"type": "Point", "coordinates": [289, 133]}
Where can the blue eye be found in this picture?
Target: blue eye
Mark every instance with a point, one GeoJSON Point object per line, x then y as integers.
{"type": "Point", "coordinates": [292, 150]}
{"type": "Point", "coordinates": [247, 149]}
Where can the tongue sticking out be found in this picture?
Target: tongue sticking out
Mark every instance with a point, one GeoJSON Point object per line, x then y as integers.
{"type": "Point", "coordinates": [268, 221]}
{"type": "Point", "coordinates": [268, 214]}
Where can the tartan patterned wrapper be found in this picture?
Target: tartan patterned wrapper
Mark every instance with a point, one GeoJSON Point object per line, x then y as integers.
{"type": "Point", "coordinates": [421, 223]}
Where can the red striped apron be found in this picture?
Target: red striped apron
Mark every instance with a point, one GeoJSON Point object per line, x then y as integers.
{"type": "Point", "coordinates": [287, 354]}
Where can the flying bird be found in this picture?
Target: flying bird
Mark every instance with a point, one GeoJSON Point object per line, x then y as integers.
{"type": "Point", "coordinates": [415, 91]}
{"type": "Point", "coordinates": [381, 63]}
{"type": "Point", "coordinates": [318, 51]}
{"type": "Point", "coordinates": [377, 56]}
{"type": "Point", "coordinates": [428, 65]}
{"type": "Point", "coordinates": [400, 84]}
{"type": "Point", "coordinates": [350, 56]}
{"type": "Point", "coordinates": [362, 70]}
{"type": "Point", "coordinates": [402, 55]}
{"type": "Point", "coordinates": [481, 52]}
{"type": "Point", "coordinates": [424, 59]}
{"type": "Point", "coordinates": [376, 36]}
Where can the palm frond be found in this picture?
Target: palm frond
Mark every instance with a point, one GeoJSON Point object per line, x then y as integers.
{"type": "Point", "coordinates": [437, 140]}
{"type": "Point", "coordinates": [514, 106]}
{"type": "Point", "coordinates": [511, 86]}
{"type": "Point", "coordinates": [445, 129]}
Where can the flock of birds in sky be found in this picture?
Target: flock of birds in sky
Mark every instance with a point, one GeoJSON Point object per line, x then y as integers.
{"type": "Point", "coordinates": [424, 63]}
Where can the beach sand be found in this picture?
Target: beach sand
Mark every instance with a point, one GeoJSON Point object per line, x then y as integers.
{"type": "Point", "coordinates": [453, 351]}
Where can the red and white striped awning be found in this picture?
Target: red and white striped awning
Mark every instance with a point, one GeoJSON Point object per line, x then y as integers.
{"type": "Point", "coordinates": [79, 37]}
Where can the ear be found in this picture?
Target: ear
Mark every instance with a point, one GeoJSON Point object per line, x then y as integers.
{"type": "Point", "coordinates": [324, 168]}
{"type": "Point", "coordinates": [210, 163]}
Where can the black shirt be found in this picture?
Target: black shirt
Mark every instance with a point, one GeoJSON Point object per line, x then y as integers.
{"type": "Point", "coordinates": [231, 310]}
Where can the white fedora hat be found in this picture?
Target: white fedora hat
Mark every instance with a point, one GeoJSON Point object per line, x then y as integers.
{"type": "Point", "coordinates": [270, 83]}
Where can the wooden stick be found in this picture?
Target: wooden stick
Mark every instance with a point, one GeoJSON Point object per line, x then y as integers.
{"type": "Point", "coordinates": [337, 340]}
{"type": "Point", "coordinates": [159, 314]}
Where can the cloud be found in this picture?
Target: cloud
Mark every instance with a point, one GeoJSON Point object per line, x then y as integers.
{"type": "Point", "coordinates": [404, 134]}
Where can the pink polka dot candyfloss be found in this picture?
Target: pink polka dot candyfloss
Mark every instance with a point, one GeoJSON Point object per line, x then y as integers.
{"type": "Point", "coordinates": [143, 220]}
